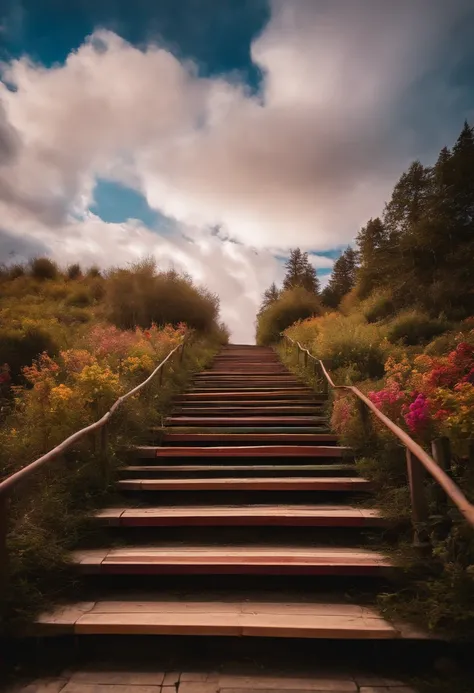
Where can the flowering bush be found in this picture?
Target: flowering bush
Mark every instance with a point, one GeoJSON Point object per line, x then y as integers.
{"type": "Point", "coordinates": [432, 396]}
{"type": "Point", "coordinates": [63, 394]}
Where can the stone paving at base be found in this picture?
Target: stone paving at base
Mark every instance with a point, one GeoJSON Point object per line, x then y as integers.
{"type": "Point", "coordinates": [113, 681]}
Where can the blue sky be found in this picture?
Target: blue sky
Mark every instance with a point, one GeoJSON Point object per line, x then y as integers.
{"type": "Point", "coordinates": [131, 129]}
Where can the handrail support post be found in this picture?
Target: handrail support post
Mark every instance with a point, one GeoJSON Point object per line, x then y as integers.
{"type": "Point", "coordinates": [441, 453]}
{"type": "Point", "coordinates": [419, 506]}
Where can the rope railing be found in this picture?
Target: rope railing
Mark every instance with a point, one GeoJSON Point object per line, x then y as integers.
{"type": "Point", "coordinates": [418, 460]}
{"type": "Point", "coordinates": [18, 478]}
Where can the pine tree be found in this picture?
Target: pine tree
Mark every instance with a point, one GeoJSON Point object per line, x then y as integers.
{"type": "Point", "coordinates": [373, 247]}
{"type": "Point", "coordinates": [270, 295]}
{"type": "Point", "coordinates": [342, 280]}
{"type": "Point", "coordinates": [300, 272]}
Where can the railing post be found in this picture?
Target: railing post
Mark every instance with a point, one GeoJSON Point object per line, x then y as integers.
{"type": "Point", "coordinates": [181, 353]}
{"type": "Point", "coordinates": [324, 382]}
{"type": "Point", "coordinates": [441, 452]}
{"type": "Point", "coordinates": [4, 503]}
{"type": "Point", "coordinates": [305, 358]}
{"type": "Point", "coordinates": [104, 453]}
{"type": "Point", "coordinates": [419, 506]}
{"type": "Point", "coordinates": [298, 354]}
{"type": "Point", "coordinates": [364, 418]}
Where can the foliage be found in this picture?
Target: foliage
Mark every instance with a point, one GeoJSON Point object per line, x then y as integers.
{"type": "Point", "coordinates": [80, 298]}
{"type": "Point", "coordinates": [300, 273]}
{"type": "Point", "coordinates": [347, 343]}
{"type": "Point", "coordinates": [141, 295]}
{"type": "Point", "coordinates": [44, 268]}
{"type": "Point", "coordinates": [413, 327]}
{"type": "Point", "coordinates": [429, 208]}
{"type": "Point", "coordinates": [60, 396]}
{"type": "Point", "coordinates": [378, 306]}
{"type": "Point", "coordinates": [21, 346]}
{"type": "Point", "coordinates": [270, 295]}
{"type": "Point", "coordinates": [74, 271]}
{"type": "Point", "coordinates": [343, 279]}
{"type": "Point", "coordinates": [292, 305]}
{"type": "Point", "coordinates": [429, 394]}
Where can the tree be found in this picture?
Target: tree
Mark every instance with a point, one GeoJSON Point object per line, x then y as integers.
{"type": "Point", "coordinates": [373, 250]}
{"type": "Point", "coordinates": [342, 280]}
{"type": "Point", "coordinates": [270, 296]}
{"type": "Point", "coordinates": [300, 273]}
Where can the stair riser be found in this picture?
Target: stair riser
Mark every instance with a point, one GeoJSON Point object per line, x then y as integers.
{"type": "Point", "coordinates": [157, 473]}
{"type": "Point", "coordinates": [177, 439]}
{"type": "Point", "coordinates": [235, 397]}
{"type": "Point", "coordinates": [281, 570]}
{"type": "Point", "coordinates": [196, 521]}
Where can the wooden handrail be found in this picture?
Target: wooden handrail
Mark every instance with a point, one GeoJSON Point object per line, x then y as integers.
{"type": "Point", "coordinates": [451, 489]}
{"type": "Point", "coordinates": [8, 484]}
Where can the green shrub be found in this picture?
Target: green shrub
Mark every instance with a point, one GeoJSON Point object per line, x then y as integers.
{"type": "Point", "coordinates": [44, 268]}
{"type": "Point", "coordinates": [15, 271]}
{"type": "Point", "coordinates": [18, 348]}
{"type": "Point", "coordinates": [96, 286]}
{"type": "Point", "coordinates": [292, 305]}
{"type": "Point", "coordinates": [378, 307]}
{"type": "Point", "coordinates": [413, 327]}
{"type": "Point", "coordinates": [74, 271]}
{"type": "Point", "coordinates": [141, 295]}
{"type": "Point", "coordinates": [80, 298]}
{"type": "Point", "coordinates": [93, 272]}
{"type": "Point", "coordinates": [74, 315]}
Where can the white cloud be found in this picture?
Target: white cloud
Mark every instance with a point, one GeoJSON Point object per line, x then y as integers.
{"type": "Point", "coordinates": [304, 162]}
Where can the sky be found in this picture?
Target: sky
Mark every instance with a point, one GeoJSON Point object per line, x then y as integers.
{"type": "Point", "coordinates": [216, 135]}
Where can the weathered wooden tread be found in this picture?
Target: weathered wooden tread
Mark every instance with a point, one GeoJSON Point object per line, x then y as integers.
{"type": "Point", "coordinates": [149, 451]}
{"type": "Point", "coordinates": [355, 484]}
{"type": "Point", "coordinates": [245, 619]}
{"type": "Point", "coordinates": [227, 410]}
{"type": "Point", "coordinates": [242, 515]}
{"type": "Point", "coordinates": [254, 560]}
{"type": "Point", "coordinates": [251, 438]}
{"type": "Point", "coordinates": [183, 468]}
{"type": "Point", "coordinates": [301, 394]}
{"type": "Point", "coordinates": [244, 420]}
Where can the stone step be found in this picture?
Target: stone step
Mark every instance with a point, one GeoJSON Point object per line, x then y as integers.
{"type": "Point", "coordinates": [197, 617]}
{"type": "Point", "coordinates": [240, 560]}
{"type": "Point", "coordinates": [242, 515]}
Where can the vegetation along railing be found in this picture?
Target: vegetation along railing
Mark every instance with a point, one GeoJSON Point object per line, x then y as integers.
{"type": "Point", "coordinates": [8, 485]}
{"type": "Point", "coordinates": [418, 460]}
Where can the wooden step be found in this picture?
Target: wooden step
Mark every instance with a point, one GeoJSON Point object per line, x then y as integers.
{"type": "Point", "coordinates": [150, 451]}
{"type": "Point", "coordinates": [251, 390]}
{"type": "Point", "coordinates": [250, 438]}
{"type": "Point", "coordinates": [194, 616]}
{"type": "Point", "coordinates": [354, 484]}
{"type": "Point", "coordinates": [161, 470]}
{"type": "Point", "coordinates": [320, 429]}
{"type": "Point", "coordinates": [240, 560]}
{"type": "Point", "coordinates": [243, 515]}
{"type": "Point", "coordinates": [245, 420]}
{"type": "Point", "coordinates": [299, 394]}
{"type": "Point", "coordinates": [247, 410]}
{"type": "Point", "coordinates": [184, 402]}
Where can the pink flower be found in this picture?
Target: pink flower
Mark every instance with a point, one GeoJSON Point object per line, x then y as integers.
{"type": "Point", "coordinates": [417, 415]}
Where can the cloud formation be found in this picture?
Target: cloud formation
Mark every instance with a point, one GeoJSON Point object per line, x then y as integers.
{"type": "Point", "coordinates": [305, 161]}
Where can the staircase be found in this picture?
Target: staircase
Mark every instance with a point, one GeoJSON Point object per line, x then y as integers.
{"type": "Point", "coordinates": [243, 518]}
